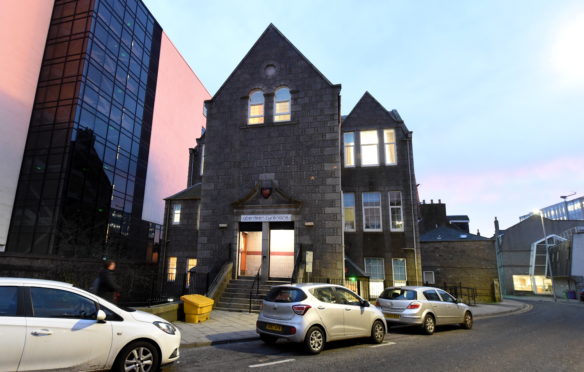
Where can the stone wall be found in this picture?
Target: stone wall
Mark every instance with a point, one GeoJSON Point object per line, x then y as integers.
{"type": "Point", "coordinates": [470, 264]}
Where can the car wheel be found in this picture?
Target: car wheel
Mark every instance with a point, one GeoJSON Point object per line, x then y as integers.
{"type": "Point", "coordinates": [139, 356]}
{"type": "Point", "coordinates": [314, 340]}
{"type": "Point", "coordinates": [270, 340]}
{"type": "Point", "coordinates": [467, 322]}
{"type": "Point", "coordinates": [377, 332]}
{"type": "Point", "coordinates": [429, 324]}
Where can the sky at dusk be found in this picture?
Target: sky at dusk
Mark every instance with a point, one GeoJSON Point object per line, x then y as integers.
{"type": "Point", "coordinates": [493, 90]}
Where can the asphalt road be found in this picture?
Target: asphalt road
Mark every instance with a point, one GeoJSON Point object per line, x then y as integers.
{"type": "Point", "coordinates": [550, 337]}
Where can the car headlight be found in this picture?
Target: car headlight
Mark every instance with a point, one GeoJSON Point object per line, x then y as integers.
{"type": "Point", "coordinates": [166, 327]}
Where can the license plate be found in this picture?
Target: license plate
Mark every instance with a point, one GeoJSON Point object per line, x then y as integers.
{"type": "Point", "coordinates": [392, 316]}
{"type": "Point", "coordinates": [274, 327]}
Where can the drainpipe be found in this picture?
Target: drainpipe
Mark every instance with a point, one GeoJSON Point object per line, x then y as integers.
{"type": "Point", "coordinates": [413, 205]}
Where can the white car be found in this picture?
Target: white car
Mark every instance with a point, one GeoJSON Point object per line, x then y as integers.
{"type": "Point", "coordinates": [48, 325]}
{"type": "Point", "coordinates": [315, 314]}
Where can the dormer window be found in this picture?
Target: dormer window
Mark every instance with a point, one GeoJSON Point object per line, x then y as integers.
{"type": "Point", "coordinates": [282, 105]}
{"type": "Point", "coordinates": [256, 107]}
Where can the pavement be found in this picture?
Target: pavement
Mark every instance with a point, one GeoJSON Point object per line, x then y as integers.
{"type": "Point", "coordinates": [227, 327]}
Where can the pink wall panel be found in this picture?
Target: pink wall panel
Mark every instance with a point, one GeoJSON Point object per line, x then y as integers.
{"type": "Point", "coordinates": [24, 25]}
{"type": "Point", "coordinates": [178, 119]}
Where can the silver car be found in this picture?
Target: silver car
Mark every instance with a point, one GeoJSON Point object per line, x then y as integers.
{"type": "Point", "coordinates": [314, 314]}
{"type": "Point", "coordinates": [423, 306]}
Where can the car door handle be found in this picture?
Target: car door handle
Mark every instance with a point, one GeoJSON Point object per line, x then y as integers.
{"type": "Point", "coordinates": [42, 332]}
{"type": "Point", "coordinates": [321, 307]}
{"type": "Point", "coordinates": [347, 309]}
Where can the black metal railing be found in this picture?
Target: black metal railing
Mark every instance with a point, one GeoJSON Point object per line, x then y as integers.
{"type": "Point", "coordinates": [256, 284]}
{"type": "Point", "coordinates": [297, 262]}
{"type": "Point", "coordinates": [467, 295]}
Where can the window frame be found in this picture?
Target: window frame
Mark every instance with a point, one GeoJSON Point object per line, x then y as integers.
{"type": "Point", "coordinates": [345, 214]}
{"type": "Point", "coordinates": [379, 262]}
{"type": "Point", "coordinates": [202, 168]}
{"type": "Point", "coordinates": [401, 212]}
{"type": "Point", "coordinates": [349, 146]}
{"type": "Point", "coordinates": [251, 118]}
{"type": "Point", "coordinates": [394, 271]}
{"type": "Point", "coordinates": [190, 265]}
{"type": "Point", "coordinates": [365, 228]}
{"type": "Point", "coordinates": [171, 269]}
{"type": "Point", "coordinates": [427, 273]}
{"type": "Point", "coordinates": [176, 213]}
{"type": "Point", "coordinates": [288, 113]}
{"type": "Point", "coordinates": [387, 145]}
{"type": "Point", "coordinates": [362, 145]}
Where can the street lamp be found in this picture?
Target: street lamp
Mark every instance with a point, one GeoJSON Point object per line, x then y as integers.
{"type": "Point", "coordinates": [547, 253]}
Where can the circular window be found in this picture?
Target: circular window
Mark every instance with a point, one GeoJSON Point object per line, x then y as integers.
{"type": "Point", "coordinates": [270, 70]}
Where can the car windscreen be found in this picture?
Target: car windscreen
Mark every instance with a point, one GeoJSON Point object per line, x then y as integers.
{"type": "Point", "coordinates": [398, 294]}
{"type": "Point", "coordinates": [285, 294]}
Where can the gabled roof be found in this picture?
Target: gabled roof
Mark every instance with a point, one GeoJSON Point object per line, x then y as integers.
{"type": "Point", "coordinates": [449, 234]}
{"type": "Point", "coordinates": [368, 100]}
{"type": "Point", "coordinates": [191, 193]}
{"type": "Point", "coordinates": [271, 29]}
{"type": "Point", "coordinates": [458, 218]}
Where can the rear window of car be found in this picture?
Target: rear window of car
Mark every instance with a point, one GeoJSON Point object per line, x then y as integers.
{"type": "Point", "coordinates": [285, 294]}
{"type": "Point", "coordinates": [398, 294]}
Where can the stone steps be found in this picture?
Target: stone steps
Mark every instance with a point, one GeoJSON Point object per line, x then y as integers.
{"type": "Point", "coordinates": [236, 295]}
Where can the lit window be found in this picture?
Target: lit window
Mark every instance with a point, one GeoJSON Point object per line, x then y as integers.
{"type": "Point", "coordinates": [176, 214]}
{"type": "Point", "coordinates": [171, 273]}
{"type": "Point", "coordinates": [389, 144]}
{"type": "Point", "coordinates": [522, 283]}
{"type": "Point", "coordinates": [429, 277]}
{"type": "Point", "coordinates": [400, 276]}
{"type": "Point", "coordinates": [282, 105]}
{"type": "Point", "coordinates": [396, 217]}
{"type": "Point", "coordinates": [369, 152]}
{"type": "Point", "coordinates": [349, 211]}
{"type": "Point", "coordinates": [349, 140]}
{"type": "Point", "coordinates": [202, 159]}
{"type": "Point", "coordinates": [191, 262]}
{"type": "Point", "coordinates": [371, 211]}
{"type": "Point", "coordinates": [256, 107]}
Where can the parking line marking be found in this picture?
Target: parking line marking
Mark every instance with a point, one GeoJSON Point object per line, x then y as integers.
{"type": "Point", "coordinates": [384, 344]}
{"type": "Point", "coordinates": [271, 363]}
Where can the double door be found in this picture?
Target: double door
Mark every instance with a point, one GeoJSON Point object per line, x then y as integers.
{"type": "Point", "coordinates": [267, 248]}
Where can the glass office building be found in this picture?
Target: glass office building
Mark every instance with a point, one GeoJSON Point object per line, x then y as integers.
{"type": "Point", "coordinates": [566, 210]}
{"type": "Point", "coordinates": [83, 180]}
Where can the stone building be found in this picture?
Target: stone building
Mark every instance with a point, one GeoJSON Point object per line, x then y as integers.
{"type": "Point", "coordinates": [272, 179]}
{"type": "Point", "coordinates": [378, 180]}
{"type": "Point", "coordinates": [454, 258]}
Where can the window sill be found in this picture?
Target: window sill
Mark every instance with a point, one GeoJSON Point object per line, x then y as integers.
{"type": "Point", "coordinates": [270, 124]}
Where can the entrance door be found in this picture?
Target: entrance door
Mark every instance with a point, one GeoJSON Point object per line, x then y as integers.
{"type": "Point", "coordinates": [250, 248]}
{"type": "Point", "coordinates": [281, 250]}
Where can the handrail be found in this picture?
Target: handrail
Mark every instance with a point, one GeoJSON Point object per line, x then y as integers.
{"type": "Point", "coordinates": [297, 262]}
{"type": "Point", "coordinates": [219, 278]}
{"type": "Point", "coordinates": [257, 278]}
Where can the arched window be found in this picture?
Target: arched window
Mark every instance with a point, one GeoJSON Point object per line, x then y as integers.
{"type": "Point", "coordinates": [282, 105]}
{"type": "Point", "coordinates": [256, 107]}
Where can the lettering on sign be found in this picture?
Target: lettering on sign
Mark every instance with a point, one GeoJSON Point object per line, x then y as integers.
{"type": "Point", "coordinates": [266, 218]}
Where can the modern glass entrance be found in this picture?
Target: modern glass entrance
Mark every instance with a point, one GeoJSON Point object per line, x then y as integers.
{"type": "Point", "coordinates": [281, 250]}
{"type": "Point", "coordinates": [250, 248]}
{"type": "Point", "coordinates": [267, 248]}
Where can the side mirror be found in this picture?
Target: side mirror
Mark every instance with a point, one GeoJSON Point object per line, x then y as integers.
{"type": "Point", "coordinates": [364, 303]}
{"type": "Point", "coordinates": [101, 315]}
